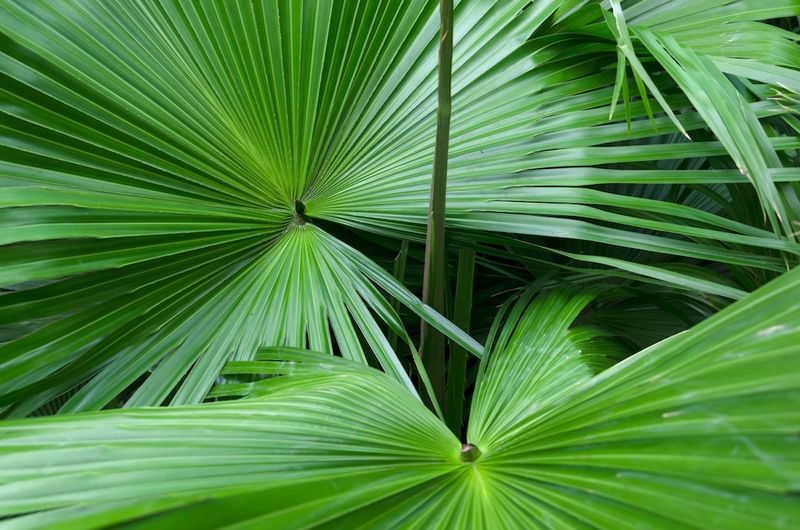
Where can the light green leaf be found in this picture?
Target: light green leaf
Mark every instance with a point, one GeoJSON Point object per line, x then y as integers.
{"type": "Point", "coordinates": [697, 431]}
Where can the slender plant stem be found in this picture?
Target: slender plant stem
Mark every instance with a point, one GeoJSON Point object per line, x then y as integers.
{"type": "Point", "coordinates": [433, 287]}
{"type": "Point", "coordinates": [457, 365]}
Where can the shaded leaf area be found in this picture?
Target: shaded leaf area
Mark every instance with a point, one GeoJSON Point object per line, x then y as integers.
{"type": "Point", "coordinates": [163, 165]}
{"type": "Point", "coordinates": [698, 431]}
{"type": "Point", "coordinates": [516, 145]}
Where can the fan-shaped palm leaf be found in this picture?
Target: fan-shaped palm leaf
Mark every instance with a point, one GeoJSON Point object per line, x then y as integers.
{"type": "Point", "coordinates": [698, 431]}
{"type": "Point", "coordinates": [162, 164]}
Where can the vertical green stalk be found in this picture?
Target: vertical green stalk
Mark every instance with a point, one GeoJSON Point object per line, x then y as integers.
{"type": "Point", "coordinates": [457, 366]}
{"type": "Point", "coordinates": [433, 286]}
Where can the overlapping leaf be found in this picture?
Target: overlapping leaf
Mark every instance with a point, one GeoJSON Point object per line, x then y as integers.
{"type": "Point", "coordinates": [698, 431]}
{"type": "Point", "coordinates": [154, 154]}
{"type": "Point", "coordinates": [343, 429]}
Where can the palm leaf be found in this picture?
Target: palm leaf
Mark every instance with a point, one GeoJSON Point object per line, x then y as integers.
{"type": "Point", "coordinates": [173, 213]}
{"type": "Point", "coordinates": [696, 431]}
{"type": "Point", "coordinates": [162, 164]}
{"type": "Point", "coordinates": [238, 459]}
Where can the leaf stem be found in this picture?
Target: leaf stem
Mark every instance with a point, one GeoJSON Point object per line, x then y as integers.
{"type": "Point", "coordinates": [457, 365]}
{"type": "Point", "coordinates": [433, 286]}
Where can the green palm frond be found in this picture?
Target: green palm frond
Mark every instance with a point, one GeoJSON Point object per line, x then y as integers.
{"type": "Point", "coordinates": [697, 431]}
{"type": "Point", "coordinates": [147, 183]}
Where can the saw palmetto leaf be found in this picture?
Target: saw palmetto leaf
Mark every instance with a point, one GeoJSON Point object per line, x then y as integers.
{"type": "Point", "coordinates": [160, 200]}
{"type": "Point", "coordinates": [690, 416]}
{"type": "Point", "coordinates": [698, 431]}
{"type": "Point", "coordinates": [224, 452]}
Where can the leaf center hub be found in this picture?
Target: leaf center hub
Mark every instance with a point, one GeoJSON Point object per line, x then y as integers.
{"type": "Point", "coordinates": [469, 453]}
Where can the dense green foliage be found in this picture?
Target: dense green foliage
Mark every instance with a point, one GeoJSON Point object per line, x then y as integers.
{"type": "Point", "coordinates": [213, 221]}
